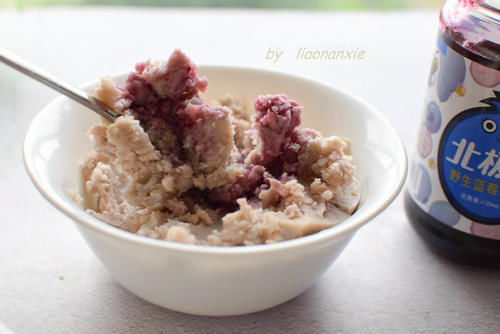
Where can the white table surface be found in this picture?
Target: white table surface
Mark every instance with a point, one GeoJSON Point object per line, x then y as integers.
{"type": "Point", "coordinates": [386, 281]}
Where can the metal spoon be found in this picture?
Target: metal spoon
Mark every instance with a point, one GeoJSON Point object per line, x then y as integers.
{"type": "Point", "coordinates": [61, 86]}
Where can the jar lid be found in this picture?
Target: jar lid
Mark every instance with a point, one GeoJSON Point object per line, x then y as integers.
{"type": "Point", "coordinates": [472, 28]}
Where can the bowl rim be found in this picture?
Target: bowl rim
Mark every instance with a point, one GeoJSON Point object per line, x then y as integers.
{"type": "Point", "coordinates": [344, 228]}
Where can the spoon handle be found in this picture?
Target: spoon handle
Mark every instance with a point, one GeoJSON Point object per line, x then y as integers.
{"type": "Point", "coordinates": [61, 86]}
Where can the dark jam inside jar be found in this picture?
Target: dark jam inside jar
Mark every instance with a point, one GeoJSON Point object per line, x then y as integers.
{"type": "Point", "coordinates": [450, 242]}
{"type": "Point", "coordinates": [472, 29]}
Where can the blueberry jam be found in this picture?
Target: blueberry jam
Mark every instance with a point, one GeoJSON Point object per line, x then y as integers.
{"type": "Point", "coordinates": [453, 195]}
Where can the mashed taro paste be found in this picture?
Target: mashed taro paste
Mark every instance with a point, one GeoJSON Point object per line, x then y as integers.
{"type": "Point", "coordinates": [176, 168]}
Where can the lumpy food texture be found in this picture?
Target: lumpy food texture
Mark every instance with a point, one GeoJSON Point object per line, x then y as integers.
{"type": "Point", "coordinates": [178, 168]}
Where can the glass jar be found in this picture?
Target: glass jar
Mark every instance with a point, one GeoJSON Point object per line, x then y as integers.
{"type": "Point", "coordinates": [453, 194]}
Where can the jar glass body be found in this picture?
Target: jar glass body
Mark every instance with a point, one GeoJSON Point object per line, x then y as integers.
{"type": "Point", "coordinates": [453, 194]}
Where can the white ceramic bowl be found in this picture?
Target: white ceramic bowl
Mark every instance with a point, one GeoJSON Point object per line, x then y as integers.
{"type": "Point", "coordinates": [211, 280]}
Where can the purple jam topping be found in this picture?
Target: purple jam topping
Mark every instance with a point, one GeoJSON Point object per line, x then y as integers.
{"type": "Point", "coordinates": [196, 120]}
{"type": "Point", "coordinates": [289, 156]}
{"type": "Point", "coordinates": [200, 113]}
{"type": "Point", "coordinates": [176, 79]}
{"type": "Point", "coordinates": [276, 118]}
{"type": "Point", "coordinates": [164, 98]}
{"type": "Point", "coordinates": [243, 186]}
{"type": "Point", "coordinates": [157, 92]}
